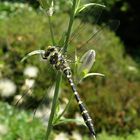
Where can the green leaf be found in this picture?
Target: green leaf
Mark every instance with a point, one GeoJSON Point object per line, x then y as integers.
{"type": "Point", "coordinates": [83, 7]}
{"type": "Point", "coordinates": [77, 5]}
{"type": "Point", "coordinates": [65, 120]}
{"type": "Point", "coordinates": [86, 63]}
{"type": "Point", "coordinates": [92, 74]}
{"type": "Point", "coordinates": [33, 53]}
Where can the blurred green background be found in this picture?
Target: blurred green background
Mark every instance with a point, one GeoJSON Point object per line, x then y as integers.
{"type": "Point", "coordinates": [113, 101]}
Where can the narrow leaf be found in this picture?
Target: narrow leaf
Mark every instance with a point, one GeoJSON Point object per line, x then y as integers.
{"type": "Point", "coordinates": [77, 5]}
{"type": "Point", "coordinates": [33, 53]}
{"type": "Point", "coordinates": [83, 7]}
{"type": "Point", "coordinates": [87, 61]}
{"type": "Point", "coordinates": [92, 74]}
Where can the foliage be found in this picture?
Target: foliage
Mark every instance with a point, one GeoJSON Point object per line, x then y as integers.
{"type": "Point", "coordinates": [113, 101]}
{"type": "Point", "coordinates": [19, 124]}
{"type": "Point", "coordinates": [105, 136]}
{"type": "Point", "coordinates": [8, 9]}
{"type": "Point", "coordinates": [63, 5]}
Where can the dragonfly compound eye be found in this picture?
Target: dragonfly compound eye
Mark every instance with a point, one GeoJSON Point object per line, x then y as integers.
{"type": "Point", "coordinates": [47, 53]}
{"type": "Point", "coordinates": [52, 49]}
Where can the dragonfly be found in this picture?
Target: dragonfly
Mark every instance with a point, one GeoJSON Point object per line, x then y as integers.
{"type": "Point", "coordinates": [54, 55]}
{"type": "Point", "coordinates": [58, 61]}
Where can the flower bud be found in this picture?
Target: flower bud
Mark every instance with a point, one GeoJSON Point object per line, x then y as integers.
{"type": "Point", "coordinates": [86, 62]}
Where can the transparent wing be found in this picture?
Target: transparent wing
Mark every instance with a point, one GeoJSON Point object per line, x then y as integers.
{"type": "Point", "coordinates": [79, 22]}
{"type": "Point", "coordinates": [32, 95]}
{"type": "Point", "coordinates": [44, 107]}
{"type": "Point", "coordinates": [86, 33]}
{"type": "Point", "coordinates": [79, 26]}
{"type": "Point", "coordinates": [95, 35]}
{"type": "Point", "coordinates": [39, 105]}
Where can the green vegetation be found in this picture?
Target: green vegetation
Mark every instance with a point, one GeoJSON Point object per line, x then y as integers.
{"type": "Point", "coordinates": [113, 101]}
{"type": "Point", "coordinates": [19, 124]}
{"type": "Point", "coordinates": [134, 136]}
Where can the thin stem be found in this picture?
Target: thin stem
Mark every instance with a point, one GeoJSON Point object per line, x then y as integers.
{"type": "Point", "coordinates": [66, 45]}
{"type": "Point", "coordinates": [59, 75]}
{"type": "Point", "coordinates": [67, 106]}
{"type": "Point", "coordinates": [46, 7]}
{"type": "Point", "coordinates": [54, 103]}
{"type": "Point", "coordinates": [70, 25]}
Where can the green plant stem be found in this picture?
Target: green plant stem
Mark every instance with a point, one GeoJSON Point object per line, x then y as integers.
{"type": "Point", "coordinates": [70, 26]}
{"type": "Point", "coordinates": [66, 45]}
{"type": "Point", "coordinates": [67, 106]}
{"type": "Point", "coordinates": [46, 7]}
{"type": "Point", "coordinates": [54, 103]}
{"type": "Point", "coordinates": [59, 74]}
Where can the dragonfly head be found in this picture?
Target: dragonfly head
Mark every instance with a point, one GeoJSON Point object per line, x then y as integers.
{"type": "Point", "coordinates": [49, 50]}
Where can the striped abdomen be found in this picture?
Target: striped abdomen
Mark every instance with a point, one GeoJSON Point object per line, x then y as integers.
{"type": "Point", "coordinates": [83, 110]}
{"type": "Point", "coordinates": [60, 63]}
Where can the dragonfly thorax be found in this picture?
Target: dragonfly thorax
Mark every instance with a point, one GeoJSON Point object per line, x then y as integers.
{"type": "Point", "coordinates": [57, 59]}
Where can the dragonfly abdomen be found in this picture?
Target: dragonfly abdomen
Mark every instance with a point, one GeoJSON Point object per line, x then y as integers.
{"type": "Point", "coordinates": [83, 110]}
{"type": "Point", "coordinates": [60, 63]}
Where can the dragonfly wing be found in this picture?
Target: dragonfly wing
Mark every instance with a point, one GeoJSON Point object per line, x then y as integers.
{"type": "Point", "coordinates": [79, 25]}
{"type": "Point", "coordinates": [95, 37]}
